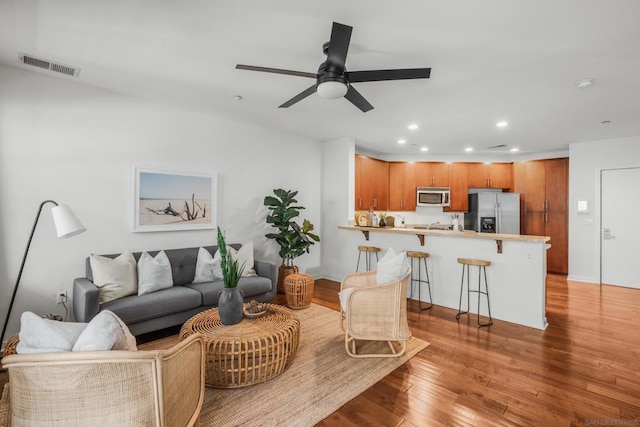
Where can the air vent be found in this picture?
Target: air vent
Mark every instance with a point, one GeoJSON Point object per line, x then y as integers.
{"type": "Point", "coordinates": [496, 146]}
{"type": "Point", "coordinates": [48, 65]}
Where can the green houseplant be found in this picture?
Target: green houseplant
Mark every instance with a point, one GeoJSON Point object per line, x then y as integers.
{"type": "Point", "coordinates": [230, 298]}
{"type": "Point", "coordinates": [293, 239]}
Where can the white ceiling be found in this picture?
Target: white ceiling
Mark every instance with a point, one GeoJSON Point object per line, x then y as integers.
{"type": "Point", "coordinates": [491, 60]}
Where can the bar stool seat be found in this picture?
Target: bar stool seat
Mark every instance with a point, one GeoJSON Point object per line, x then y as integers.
{"type": "Point", "coordinates": [482, 268]}
{"type": "Point", "coordinates": [416, 276]}
{"type": "Point", "coordinates": [368, 250]}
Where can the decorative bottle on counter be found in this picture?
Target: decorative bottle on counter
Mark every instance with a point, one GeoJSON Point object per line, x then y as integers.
{"type": "Point", "coordinates": [454, 223]}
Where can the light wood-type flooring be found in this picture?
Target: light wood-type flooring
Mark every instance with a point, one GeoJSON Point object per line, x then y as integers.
{"type": "Point", "coordinates": [583, 370]}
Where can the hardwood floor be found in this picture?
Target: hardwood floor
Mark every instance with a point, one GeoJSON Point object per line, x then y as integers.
{"type": "Point", "coordinates": [583, 370]}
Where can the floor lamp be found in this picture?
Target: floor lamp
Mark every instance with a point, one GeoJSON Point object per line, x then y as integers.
{"type": "Point", "coordinates": [67, 225]}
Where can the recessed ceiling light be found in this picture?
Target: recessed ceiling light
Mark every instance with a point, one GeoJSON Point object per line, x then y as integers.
{"type": "Point", "coordinates": [413, 126]}
{"type": "Point", "coordinates": [468, 149]}
{"type": "Point", "coordinates": [238, 97]}
{"type": "Point", "coordinates": [424, 149]}
{"type": "Point", "coordinates": [402, 141]}
{"type": "Point", "coordinates": [502, 124]}
{"type": "Point", "coordinates": [513, 150]}
{"type": "Point", "coordinates": [584, 83]}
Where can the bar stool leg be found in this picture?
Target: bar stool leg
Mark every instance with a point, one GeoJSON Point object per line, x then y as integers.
{"type": "Point", "coordinates": [420, 281]}
{"type": "Point", "coordinates": [486, 293]}
{"type": "Point", "coordinates": [358, 264]}
{"type": "Point", "coordinates": [460, 312]}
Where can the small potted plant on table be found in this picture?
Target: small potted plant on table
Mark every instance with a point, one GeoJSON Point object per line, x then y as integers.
{"type": "Point", "coordinates": [230, 298]}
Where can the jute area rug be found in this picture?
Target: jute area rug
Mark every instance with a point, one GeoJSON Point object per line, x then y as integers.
{"type": "Point", "coordinates": [320, 380]}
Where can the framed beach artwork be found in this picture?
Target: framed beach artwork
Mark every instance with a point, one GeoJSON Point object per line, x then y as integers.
{"type": "Point", "coordinates": [173, 201]}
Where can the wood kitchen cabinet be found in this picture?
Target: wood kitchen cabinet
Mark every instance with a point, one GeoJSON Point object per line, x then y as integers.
{"type": "Point", "coordinates": [544, 189]}
{"type": "Point", "coordinates": [432, 174]}
{"type": "Point", "coordinates": [372, 184]}
{"type": "Point", "coordinates": [402, 186]}
{"type": "Point", "coordinates": [459, 187]}
{"type": "Point", "coordinates": [494, 175]}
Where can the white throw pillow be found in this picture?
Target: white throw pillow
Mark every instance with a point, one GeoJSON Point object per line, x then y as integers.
{"type": "Point", "coordinates": [38, 335]}
{"type": "Point", "coordinates": [244, 255]}
{"type": "Point", "coordinates": [208, 268]}
{"type": "Point", "coordinates": [343, 296]}
{"type": "Point", "coordinates": [154, 274]}
{"type": "Point", "coordinates": [115, 278]}
{"type": "Point", "coordinates": [105, 331]}
{"type": "Point", "coordinates": [392, 267]}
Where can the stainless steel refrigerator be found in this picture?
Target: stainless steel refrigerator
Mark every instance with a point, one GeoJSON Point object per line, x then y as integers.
{"type": "Point", "coordinates": [493, 212]}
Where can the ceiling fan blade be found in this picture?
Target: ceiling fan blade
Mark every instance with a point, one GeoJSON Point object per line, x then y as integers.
{"type": "Point", "coordinates": [276, 71]}
{"type": "Point", "coordinates": [299, 97]}
{"type": "Point", "coordinates": [358, 100]}
{"type": "Point", "coordinates": [339, 44]}
{"type": "Point", "coordinates": [379, 75]}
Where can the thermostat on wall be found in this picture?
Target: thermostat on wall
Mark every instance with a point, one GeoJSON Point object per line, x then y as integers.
{"type": "Point", "coordinates": [583, 207]}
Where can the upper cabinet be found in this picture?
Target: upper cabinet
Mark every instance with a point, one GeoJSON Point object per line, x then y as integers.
{"type": "Point", "coordinates": [432, 174]}
{"type": "Point", "coordinates": [372, 184]}
{"type": "Point", "coordinates": [392, 185]}
{"type": "Point", "coordinates": [402, 186]}
{"type": "Point", "coordinates": [459, 187]}
{"type": "Point", "coordinates": [494, 175]}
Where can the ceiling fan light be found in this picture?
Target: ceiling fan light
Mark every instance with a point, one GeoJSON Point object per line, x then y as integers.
{"type": "Point", "coordinates": [332, 90]}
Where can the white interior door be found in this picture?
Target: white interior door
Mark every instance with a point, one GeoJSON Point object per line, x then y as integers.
{"type": "Point", "coordinates": [619, 234]}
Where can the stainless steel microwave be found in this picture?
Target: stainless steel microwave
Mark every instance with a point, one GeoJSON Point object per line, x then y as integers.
{"type": "Point", "coordinates": [433, 196]}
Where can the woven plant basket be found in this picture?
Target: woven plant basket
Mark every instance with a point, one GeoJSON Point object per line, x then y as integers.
{"type": "Point", "coordinates": [283, 272]}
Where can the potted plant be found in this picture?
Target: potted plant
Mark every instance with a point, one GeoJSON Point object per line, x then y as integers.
{"type": "Point", "coordinates": [230, 298]}
{"type": "Point", "coordinates": [293, 239]}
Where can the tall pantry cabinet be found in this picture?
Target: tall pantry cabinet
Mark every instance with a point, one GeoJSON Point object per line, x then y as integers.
{"type": "Point", "coordinates": [544, 190]}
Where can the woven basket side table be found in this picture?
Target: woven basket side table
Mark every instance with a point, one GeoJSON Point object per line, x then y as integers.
{"type": "Point", "coordinates": [298, 289]}
{"type": "Point", "coordinates": [249, 352]}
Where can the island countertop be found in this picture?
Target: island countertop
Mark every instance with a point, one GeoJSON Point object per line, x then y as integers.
{"type": "Point", "coordinates": [516, 276]}
{"type": "Point", "coordinates": [421, 233]}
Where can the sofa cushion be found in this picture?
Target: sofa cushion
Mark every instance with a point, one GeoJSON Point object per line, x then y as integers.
{"type": "Point", "coordinates": [251, 286]}
{"type": "Point", "coordinates": [115, 277]}
{"type": "Point", "coordinates": [154, 273]}
{"type": "Point", "coordinates": [208, 268]}
{"type": "Point", "coordinates": [137, 308]}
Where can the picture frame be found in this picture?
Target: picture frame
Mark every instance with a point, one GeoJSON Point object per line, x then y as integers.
{"type": "Point", "coordinates": [173, 201]}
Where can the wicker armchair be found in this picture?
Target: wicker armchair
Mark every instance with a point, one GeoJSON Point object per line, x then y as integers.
{"type": "Point", "coordinates": [375, 313]}
{"type": "Point", "coordinates": [108, 388]}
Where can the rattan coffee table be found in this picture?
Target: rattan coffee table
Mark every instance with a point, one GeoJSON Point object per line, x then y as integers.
{"type": "Point", "coordinates": [248, 353]}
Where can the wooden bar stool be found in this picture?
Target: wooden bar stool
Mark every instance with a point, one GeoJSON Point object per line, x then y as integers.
{"type": "Point", "coordinates": [481, 264]}
{"type": "Point", "coordinates": [420, 256]}
{"type": "Point", "coordinates": [368, 250]}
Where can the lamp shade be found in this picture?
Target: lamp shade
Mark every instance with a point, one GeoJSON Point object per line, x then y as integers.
{"type": "Point", "coordinates": [332, 89]}
{"type": "Point", "coordinates": [66, 222]}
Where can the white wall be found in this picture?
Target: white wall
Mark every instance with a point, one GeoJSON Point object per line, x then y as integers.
{"type": "Point", "coordinates": [77, 145]}
{"type": "Point", "coordinates": [338, 183]}
{"type": "Point", "coordinates": [587, 159]}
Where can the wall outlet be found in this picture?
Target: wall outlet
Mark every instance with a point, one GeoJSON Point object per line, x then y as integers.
{"type": "Point", "coordinates": [61, 297]}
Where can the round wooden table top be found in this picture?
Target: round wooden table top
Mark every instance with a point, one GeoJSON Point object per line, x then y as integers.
{"type": "Point", "coordinates": [208, 324]}
{"type": "Point", "coordinates": [250, 352]}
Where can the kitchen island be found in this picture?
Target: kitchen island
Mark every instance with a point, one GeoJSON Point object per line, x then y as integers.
{"type": "Point", "coordinates": [516, 277]}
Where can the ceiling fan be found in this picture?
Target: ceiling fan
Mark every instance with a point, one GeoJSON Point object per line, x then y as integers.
{"type": "Point", "coordinates": [333, 80]}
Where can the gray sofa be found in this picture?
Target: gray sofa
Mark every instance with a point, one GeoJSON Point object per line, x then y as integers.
{"type": "Point", "coordinates": [172, 306]}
